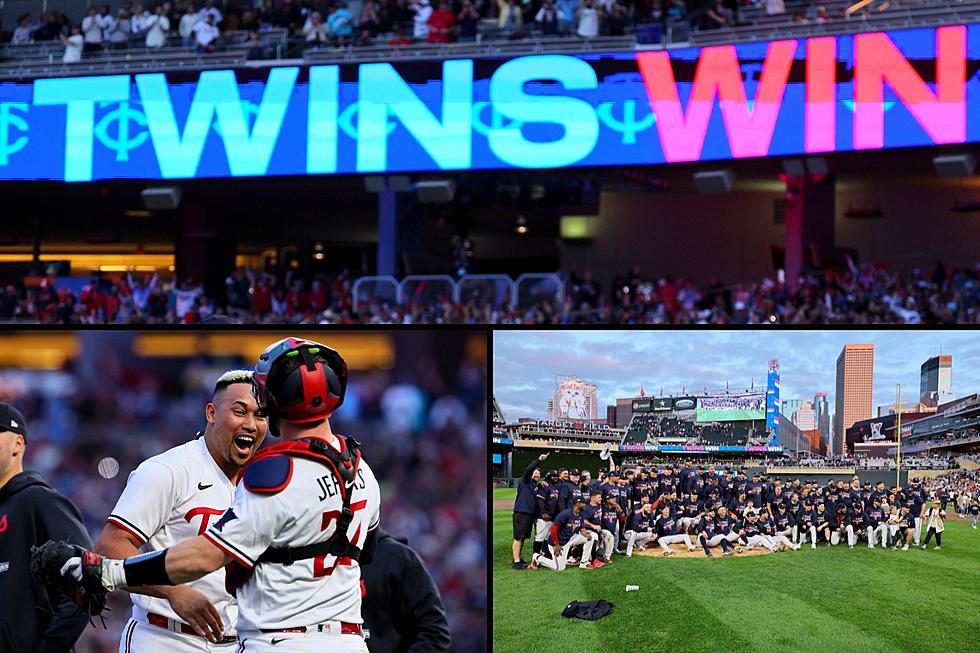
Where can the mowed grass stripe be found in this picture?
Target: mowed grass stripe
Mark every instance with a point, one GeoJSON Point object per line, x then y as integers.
{"type": "Point", "coordinates": [823, 600]}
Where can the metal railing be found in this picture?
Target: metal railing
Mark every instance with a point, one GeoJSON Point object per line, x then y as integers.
{"type": "Point", "coordinates": [41, 60]}
{"type": "Point", "coordinates": [497, 290]}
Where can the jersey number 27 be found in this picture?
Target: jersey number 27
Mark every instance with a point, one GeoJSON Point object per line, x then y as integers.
{"type": "Point", "coordinates": [319, 563]}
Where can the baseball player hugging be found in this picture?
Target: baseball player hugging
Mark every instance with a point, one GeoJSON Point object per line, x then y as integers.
{"type": "Point", "coordinates": [301, 520]}
{"type": "Point", "coordinates": [173, 497]}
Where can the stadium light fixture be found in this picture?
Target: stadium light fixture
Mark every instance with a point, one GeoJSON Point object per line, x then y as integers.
{"type": "Point", "coordinates": [955, 165]}
{"type": "Point", "coordinates": [715, 181]}
{"type": "Point", "coordinates": [161, 199]}
{"type": "Point", "coordinates": [521, 225]}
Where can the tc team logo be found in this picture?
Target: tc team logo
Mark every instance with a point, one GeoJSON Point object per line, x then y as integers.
{"type": "Point", "coordinates": [10, 122]}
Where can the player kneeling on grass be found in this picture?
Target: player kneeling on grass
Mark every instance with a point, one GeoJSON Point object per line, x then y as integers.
{"type": "Point", "coordinates": [727, 525]}
{"type": "Point", "coordinates": [934, 519]}
{"type": "Point", "coordinates": [592, 517]}
{"type": "Point", "coordinates": [753, 533]}
{"type": "Point", "coordinates": [609, 535]}
{"type": "Point", "coordinates": [639, 530]}
{"type": "Point", "coordinates": [877, 524]}
{"type": "Point", "coordinates": [769, 530]}
{"type": "Point", "coordinates": [709, 536]}
{"type": "Point", "coordinates": [784, 525]}
{"type": "Point", "coordinates": [668, 532]}
{"type": "Point", "coordinates": [856, 526]}
{"type": "Point", "coordinates": [567, 532]}
{"type": "Point", "coordinates": [838, 525]}
{"type": "Point", "coordinates": [692, 508]}
{"type": "Point", "coordinates": [904, 523]}
{"type": "Point", "coordinates": [807, 524]}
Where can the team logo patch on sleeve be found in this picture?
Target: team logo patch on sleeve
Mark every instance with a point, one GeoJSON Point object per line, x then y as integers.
{"type": "Point", "coordinates": [225, 518]}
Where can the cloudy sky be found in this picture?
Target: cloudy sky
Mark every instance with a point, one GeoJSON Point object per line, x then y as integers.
{"type": "Point", "coordinates": [619, 362]}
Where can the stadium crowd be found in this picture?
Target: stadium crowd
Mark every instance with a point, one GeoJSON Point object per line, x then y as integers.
{"type": "Point", "coordinates": [869, 295]}
{"type": "Point", "coordinates": [961, 488]}
{"type": "Point", "coordinates": [628, 509]}
{"type": "Point", "coordinates": [120, 414]}
{"type": "Point", "coordinates": [339, 23]}
{"type": "Point", "coordinates": [865, 294]}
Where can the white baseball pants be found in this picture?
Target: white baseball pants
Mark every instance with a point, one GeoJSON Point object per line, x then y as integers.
{"type": "Point", "coordinates": [139, 636]}
{"type": "Point", "coordinates": [636, 537]}
{"type": "Point", "coordinates": [558, 562]}
{"type": "Point", "coordinates": [667, 540]}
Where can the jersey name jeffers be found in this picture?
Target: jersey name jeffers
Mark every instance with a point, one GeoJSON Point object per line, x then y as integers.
{"type": "Point", "coordinates": [330, 486]}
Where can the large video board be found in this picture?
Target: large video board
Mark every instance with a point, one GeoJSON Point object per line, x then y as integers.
{"type": "Point", "coordinates": [731, 408]}
{"type": "Point", "coordinates": [823, 94]}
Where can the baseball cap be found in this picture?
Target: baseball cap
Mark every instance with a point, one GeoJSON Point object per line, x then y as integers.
{"type": "Point", "coordinates": [573, 472]}
{"type": "Point", "coordinates": [12, 420]}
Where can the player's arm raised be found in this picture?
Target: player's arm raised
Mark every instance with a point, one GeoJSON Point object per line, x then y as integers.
{"type": "Point", "coordinates": [190, 604]}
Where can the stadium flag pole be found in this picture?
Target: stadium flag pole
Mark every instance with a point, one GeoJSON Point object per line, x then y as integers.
{"type": "Point", "coordinates": [898, 467]}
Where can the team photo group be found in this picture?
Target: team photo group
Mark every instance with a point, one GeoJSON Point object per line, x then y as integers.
{"type": "Point", "coordinates": [574, 519]}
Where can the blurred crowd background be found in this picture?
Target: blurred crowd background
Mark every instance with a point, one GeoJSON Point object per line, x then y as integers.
{"type": "Point", "coordinates": [416, 401]}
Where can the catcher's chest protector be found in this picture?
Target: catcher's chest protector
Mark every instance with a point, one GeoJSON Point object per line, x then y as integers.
{"type": "Point", "coordinates": [269, 472]}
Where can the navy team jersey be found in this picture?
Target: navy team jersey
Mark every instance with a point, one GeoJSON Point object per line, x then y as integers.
{"type": "Point", "coordinates": [754, 492]}
{"type": "Point", "coordinates": [609, 490]}
{"type": "Point", "coordinates": [751, 529]}
{"type": "Point", "coordinates": [707, 526]}
{"type": "Point", "coordinates": [783, 520]}
{"type": "Point", "coordinates": [692, 508]}
{"type": "Point", "coordinates": [551, 500]}
{"type": "Point", "coordinates": [638, 522]}
{"type": "Point", "coordinates": [766, 526]}
{"type": "Point", "coordinates": [593, 515]}
{"type": "Point", "coordinates": [874, 516]}
{"type": "Point", "coordinates": [738, 507]}
{"type": "Point", "coordinates": [794, 507]}
{"type": "Point", "coordinates": [568, 524]}
{"type": "Point", "coordinates": [667, 526]}
{"type": "Point", "coordinates": [808, 518]}
{"type": "Point", "coordinates": [610, 518]}
{"type": "Point", "coordinates": [695, 484]}
{"type": "Point", "coordinates": [975, 509]}
{"type": "Point", "coordinates": [724, 524]}
{"type": "Point", "coordinates": [777, 499]}
{"type": "Point", "coordinates": [566, 494]}
{"type": "Point", "coordinates": [858, 519]}
{"type": "Point", "coordinates": [821, 517]}
{"type": "Point", "coordinates": [641, 489]}
{"type": "Point", "coordinates": [714, 503]}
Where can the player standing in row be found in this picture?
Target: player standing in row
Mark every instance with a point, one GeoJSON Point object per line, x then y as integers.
{"type": "Point", "coordinates": [172, 497]}
{"type": "Point", "coordinates": [304, 515]}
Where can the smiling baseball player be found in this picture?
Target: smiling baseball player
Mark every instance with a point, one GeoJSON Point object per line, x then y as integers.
{"type": "Point", "coordinates": [304, 515]}
{"type": "Point", "coordinates": [173, 497]}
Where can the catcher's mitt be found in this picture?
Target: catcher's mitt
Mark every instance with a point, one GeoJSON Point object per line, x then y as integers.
{"type": "Point", "coordinates": [47, 562]}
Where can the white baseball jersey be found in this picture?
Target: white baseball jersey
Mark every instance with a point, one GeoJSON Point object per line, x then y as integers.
{"type": "Point", "coordinates": [173, 497]}
{"type": "Point", "coordinates": [311, 591]}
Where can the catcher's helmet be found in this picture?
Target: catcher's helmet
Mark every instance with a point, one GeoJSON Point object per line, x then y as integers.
{"type": "Point", "coordinates": [300, 380]}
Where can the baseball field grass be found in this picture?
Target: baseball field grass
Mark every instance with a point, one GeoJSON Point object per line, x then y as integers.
{"type": "Point", "coordinates": [827, 600]}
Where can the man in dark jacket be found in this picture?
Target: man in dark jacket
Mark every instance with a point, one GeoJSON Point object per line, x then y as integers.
{"type": "Point", "coordinates": [31, 513]}
{"type": "Point", "coordinates": [401, 607]}
{"type": "Point", "coordinates": [525, 508]}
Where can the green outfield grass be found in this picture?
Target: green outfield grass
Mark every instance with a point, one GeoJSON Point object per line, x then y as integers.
{"type": "Point", "coordinates": [828, 600]}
